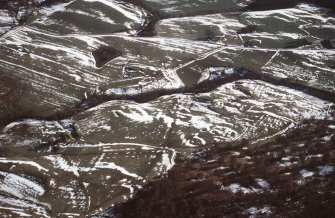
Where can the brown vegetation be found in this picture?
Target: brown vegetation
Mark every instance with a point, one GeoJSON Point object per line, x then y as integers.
{"type": "Point", "coordinates": [27, 7]}
{"type": "Point", "coordinates": [206, 86]}
{"type": "Point", "coordinates": [95, 98]}
{"type": "Point", "coordinates": [263, 5]}
{"type": "Point", "coordinates": [199, 187]}
{"type": "Point", "coordinates": [105, 54]}
{"type": "Point", "coordinates": [10, 91]}
{"type": "Point", "coordinates": [329, 44]}
{"type": "Point", "coordinates": [249, 29]}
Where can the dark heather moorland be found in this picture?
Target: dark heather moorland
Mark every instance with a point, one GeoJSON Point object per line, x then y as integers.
{"type": "Point", "coordinates": [154, 108]}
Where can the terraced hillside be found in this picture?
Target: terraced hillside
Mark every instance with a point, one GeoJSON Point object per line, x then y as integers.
{"type": "Point", "coordinates": [99, 97]}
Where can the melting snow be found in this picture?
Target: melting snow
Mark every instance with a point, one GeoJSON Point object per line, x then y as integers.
{"type": "Point", "coordinates": [325, 170]}
{"type": "Point", "coordinates": [305, 173]}
{"type": "Point", "coordinates": [235, 188]}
